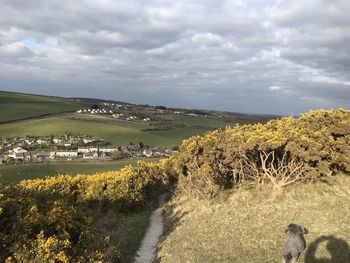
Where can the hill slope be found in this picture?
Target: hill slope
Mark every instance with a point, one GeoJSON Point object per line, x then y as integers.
{"type": "Point", "coordinates": [19, 106]}
{"type": "Point", "coordinates": [247, 226]}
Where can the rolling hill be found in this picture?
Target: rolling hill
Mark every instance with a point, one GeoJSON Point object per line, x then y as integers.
{"type": "Point", "coordinates": [36, 115]}
{"type": "Point", "coordinates": [20, 106]}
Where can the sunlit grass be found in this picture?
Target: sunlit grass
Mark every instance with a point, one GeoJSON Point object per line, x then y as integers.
{"type": "Point", "coordinates": [247, 225]}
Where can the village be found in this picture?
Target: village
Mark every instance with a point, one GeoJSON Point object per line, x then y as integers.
{"type": "Point", "coordinates": [128, 112]}
{"type": "Point", "coordinates": [70, 147]}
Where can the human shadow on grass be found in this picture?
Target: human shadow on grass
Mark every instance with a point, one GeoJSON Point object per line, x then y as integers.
{"type": "Point", "coordinates": [337, 248]}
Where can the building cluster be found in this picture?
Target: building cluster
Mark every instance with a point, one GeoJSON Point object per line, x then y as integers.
{"type": "Point", "coordinates": [112, 113]}
{"type": "Point", "coordinates": [46, 141]}
{"type": "Point", "coordinates": [95, 111]}
{"type": "Point", "coordinates": [38, 149]}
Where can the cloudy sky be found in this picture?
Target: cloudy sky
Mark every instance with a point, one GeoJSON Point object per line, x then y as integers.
{"type": "Point", "coordinates": [253, 56]}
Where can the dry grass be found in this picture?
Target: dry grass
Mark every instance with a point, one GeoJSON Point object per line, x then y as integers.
{"type": "Point", "coordinates": [247, 225]}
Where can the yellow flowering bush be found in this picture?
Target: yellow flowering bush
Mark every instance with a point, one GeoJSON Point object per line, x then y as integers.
{"type": "Point", "coordinates": [314, 146]}
{"type": "Point", "coordinates": [48, 220]}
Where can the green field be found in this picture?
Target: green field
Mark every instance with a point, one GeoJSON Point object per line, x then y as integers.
{"type": "Point", "coordinates": [14, 173]}
{"type": "Point", "coordinates": [115, 133]}
{"type": "Point", "coordinates": [17, 106]}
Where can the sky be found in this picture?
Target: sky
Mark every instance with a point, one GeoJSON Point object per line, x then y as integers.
{"type": "Point", "coordinates": [251, 56]}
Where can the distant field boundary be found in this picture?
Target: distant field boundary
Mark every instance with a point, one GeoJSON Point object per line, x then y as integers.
{"type": "Point", "coordinates": [41, 116]}
{"type": "Point", "coordinates": [28, 102]}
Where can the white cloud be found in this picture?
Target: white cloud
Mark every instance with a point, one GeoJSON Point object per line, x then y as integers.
{"type": "Point", "coordinates": [275, 88]}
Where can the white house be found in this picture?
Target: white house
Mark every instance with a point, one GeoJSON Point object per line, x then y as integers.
{"type": "Point", "coordinates": [41, 141]}
{"type": "Point", "coordinates": [83, 150]}
{"type": "Point", "coordinates": [67, 154]}
{"type": "Point", "coordinates": [29, 141]}
{"type": "Point", "coordinates": [52, 155]}
{"type": "Point", "coordinates": [93, 149]}
{"type": "Point", "coordinates": [90, 155]}
{"type": "Point", "coordinates": [108, 150]}
{"type": "Point", "coordinates": [19, 150]}
{"type": "Point", "coordinates": [57, 140]}
{"type": "Point", "coordinates": [88, 140]}
{"type": "Point", "coordinates": [148, 153]}
{"type": "Point", "coordinates": [11, 154]}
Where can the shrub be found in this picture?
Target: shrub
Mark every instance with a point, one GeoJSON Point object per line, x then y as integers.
{"type": "Point", "coordinates": [314, 146]}
{"type": "Point", "coordinates": [48, 220]}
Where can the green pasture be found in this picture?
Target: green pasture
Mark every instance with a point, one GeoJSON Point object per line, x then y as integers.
{"type": "Point", "coordinates": [14, 173]}
{"type": "Point", "coordinates": [12, 97]}
{"type": "Point", "coordinates": [17, 106]}
{"type": "Point", "coordinates": [115, 132]}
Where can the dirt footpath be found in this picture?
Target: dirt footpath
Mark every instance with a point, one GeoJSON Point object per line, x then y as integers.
{"type": "Point", "coordinates": [147, 250]}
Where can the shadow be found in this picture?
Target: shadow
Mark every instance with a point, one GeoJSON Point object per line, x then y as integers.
{"type": "Point", "coordinates": [172, 218]}
{"type": "Point", "coordinates": [336, 247]}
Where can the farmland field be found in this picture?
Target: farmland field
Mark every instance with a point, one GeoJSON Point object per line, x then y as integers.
{"type": "Point", "coordinates": [15, 106]}
{"type": "Point", "coordinates": [15, 173]}
{"type": "Point", "coordinates": [115, 133]}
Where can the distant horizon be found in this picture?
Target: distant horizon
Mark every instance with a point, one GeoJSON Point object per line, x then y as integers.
{"type": "Point", "coordinates": [280, 57]}
{"type": "Point", "coordinates": [152, 105]}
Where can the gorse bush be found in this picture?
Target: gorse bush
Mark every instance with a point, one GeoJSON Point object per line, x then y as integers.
{"type": "Point", "coordinates": [314, 146]}
{"type": "Point", "coordinates": [49, 220]}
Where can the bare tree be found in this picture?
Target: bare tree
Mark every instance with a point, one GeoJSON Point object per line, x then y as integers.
{"type": "Point", "coordinates": [280, 171]}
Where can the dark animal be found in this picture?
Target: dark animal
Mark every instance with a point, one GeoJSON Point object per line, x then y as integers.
{"type": "Point", "coordinates": [294, 244]}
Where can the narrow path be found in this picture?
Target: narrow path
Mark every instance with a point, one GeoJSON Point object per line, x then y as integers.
{"type": "Point", "coordinates": [147, 250]}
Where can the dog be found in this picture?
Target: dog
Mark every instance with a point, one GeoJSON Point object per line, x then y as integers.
{"type": "Point", "coordinates": [295, 243]}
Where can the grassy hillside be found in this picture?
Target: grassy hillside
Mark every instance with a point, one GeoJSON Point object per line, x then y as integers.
{"type": "Point", "coordinates": [17, 106]}
{"type": "Point", "coordinates": [247, 226]}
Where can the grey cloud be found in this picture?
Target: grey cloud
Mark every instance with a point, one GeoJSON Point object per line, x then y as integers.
{"type": "Point", "coordinates": [224, 54]}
